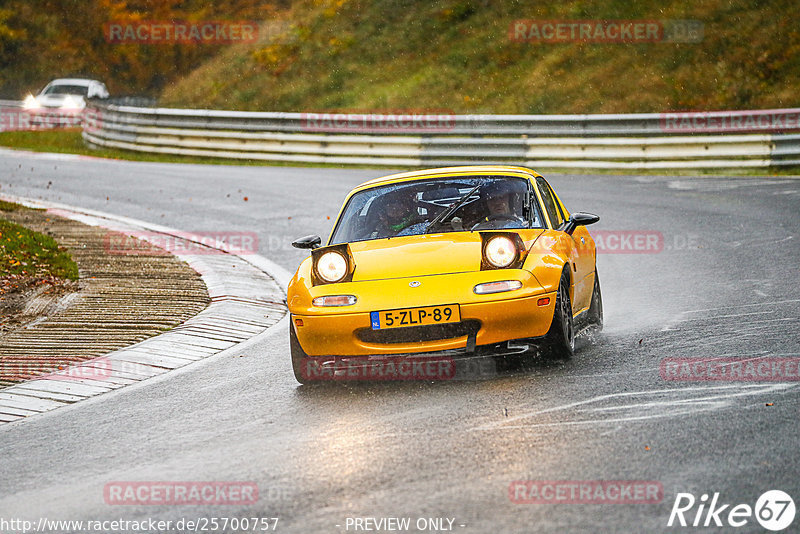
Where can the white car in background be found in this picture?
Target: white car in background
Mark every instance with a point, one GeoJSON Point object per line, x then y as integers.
{"type": "Point", "coordinates": [66, 94]}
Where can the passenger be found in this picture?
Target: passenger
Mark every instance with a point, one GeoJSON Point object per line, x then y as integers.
{"type": "Point", "coordinates": [396, 212]}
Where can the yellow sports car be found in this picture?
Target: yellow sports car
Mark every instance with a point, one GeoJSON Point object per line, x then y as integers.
{"type": "Point", "coordinates": [444, 261]}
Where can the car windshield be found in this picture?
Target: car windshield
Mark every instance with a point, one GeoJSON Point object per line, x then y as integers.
{"type": "Point", "coordinates": [437, 205]}
{"type": "Point", "coordinates": [60, 89]}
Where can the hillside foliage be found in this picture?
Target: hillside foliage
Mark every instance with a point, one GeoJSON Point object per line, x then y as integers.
{"type": "Point", "coordinates": [373, 55]}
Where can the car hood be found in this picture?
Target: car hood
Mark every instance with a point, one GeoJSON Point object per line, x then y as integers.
{"type": "Point", "coordinates": [58, 100]}
{"type": "Point", "coordinates": [420, 255]}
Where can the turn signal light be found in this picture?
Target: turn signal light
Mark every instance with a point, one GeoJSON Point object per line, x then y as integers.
{"type": "Point", "coordinates": [335, 300]}
{"type": "Point", "coordinates": [497, 287]}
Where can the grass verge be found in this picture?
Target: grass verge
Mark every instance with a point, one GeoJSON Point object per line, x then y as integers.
{"type": "Point", "coordinates": [24, 252]}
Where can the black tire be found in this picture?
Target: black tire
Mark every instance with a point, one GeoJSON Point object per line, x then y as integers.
{"type": "Point", "coordinates": [559, 342]}
{"type": "Point", "coordinates": [595, 313]}
{"type": "Point", "coordinates": [299, 356]}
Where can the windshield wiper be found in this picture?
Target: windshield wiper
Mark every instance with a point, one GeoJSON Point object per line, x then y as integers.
{"type": "Point", "coordinates": [451, 210]}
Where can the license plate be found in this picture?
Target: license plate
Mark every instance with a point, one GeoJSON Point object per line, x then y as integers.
{"type": "Point", "coordinates": [415, 317]}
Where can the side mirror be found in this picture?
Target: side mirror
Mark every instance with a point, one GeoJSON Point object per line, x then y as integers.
{"type": "Point", "coordinates": [309, 241]}
{"type": "Point", "coordinates": [579, 219]}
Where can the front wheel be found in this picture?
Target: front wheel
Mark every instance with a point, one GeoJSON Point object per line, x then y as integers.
{"type": "Point", "coordinates": [559, 342]}
{"type": "Point", "coordinates": [299, 357]}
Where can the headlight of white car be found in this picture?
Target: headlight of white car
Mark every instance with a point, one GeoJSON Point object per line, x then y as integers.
{"type": "Point", "coordinates": [30, 102]}
{"type": "Point", "coordinates": [70, 102]}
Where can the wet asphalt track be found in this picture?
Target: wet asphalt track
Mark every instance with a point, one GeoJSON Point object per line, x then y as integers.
{"type": "Point", "coordinates": [725, 284]}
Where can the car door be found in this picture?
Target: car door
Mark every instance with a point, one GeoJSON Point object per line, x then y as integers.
{"type": "Point", "coordinates": [579, 245]}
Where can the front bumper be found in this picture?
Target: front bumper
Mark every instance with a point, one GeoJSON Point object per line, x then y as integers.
{"type": "Point", "coordinates": [47, 117]}
{"type": "Point", "coordinates": [490, 319]}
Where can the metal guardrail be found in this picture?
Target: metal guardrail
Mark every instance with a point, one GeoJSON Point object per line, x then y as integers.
{"type": "Point", "coordinates": [631, 141]}
{"type": "Point", "coordinates": [132, 100]}
{"type": "Point", "coordinates": [139, 101]}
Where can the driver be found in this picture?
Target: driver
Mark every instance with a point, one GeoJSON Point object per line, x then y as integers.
{"type": "Point", "coordinates": [500, 200]}
{"type": "Point", "coordinates": [398, 212]}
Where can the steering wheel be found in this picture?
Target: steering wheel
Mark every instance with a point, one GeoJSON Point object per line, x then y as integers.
{"type": "Point", "coordinates": [496, 217]}
{"type": "Point", "coordinates": [502, 217]}
{"type": "Point", "coordinates": [412, 228]}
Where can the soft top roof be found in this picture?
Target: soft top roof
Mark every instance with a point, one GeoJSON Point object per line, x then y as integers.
{"type": "Point", "coordinates": [74, 81]}
{"type": "Point", "coordinates": [449, 171]}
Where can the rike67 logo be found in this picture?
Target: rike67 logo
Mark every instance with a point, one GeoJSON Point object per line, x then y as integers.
{"type": "Point", "coordinates": [774, 510]}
